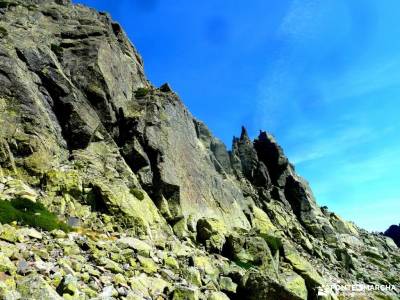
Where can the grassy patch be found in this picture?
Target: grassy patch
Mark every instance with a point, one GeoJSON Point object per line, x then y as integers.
{"type": "Point", "coordinates": [30, 213]}
{"type": "Point", "coordinates": [3, 32]}
{"type": "Point", "coordinates": [7, 3]}
{"type": "Point", "coordinates": [274, 242]}
{"type": "Point", "coordinates": [4, 4]}
{"type": "Point", "coordinates": [244, 265]}
{"type": "Point", "coordinates": [377, 263]}
{"type": "Point", "coordinates": [141, 92]}
{"type": "Point", "coordinates": [57, 49]}
{"type": "Point", "coordinates": [137, 193]}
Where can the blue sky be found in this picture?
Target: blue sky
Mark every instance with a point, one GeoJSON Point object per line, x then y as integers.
{"type": "Point", "coordinates": [321, 75]}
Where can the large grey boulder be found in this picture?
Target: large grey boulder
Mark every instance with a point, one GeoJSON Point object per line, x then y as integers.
{"type": "Point", "coordinates": [35, 287]}
{"type": "Point", "coordinates": [394, 233]}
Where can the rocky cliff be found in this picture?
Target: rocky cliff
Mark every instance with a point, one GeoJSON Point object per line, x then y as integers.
{"type": "Point", "coordinates": [394, 233]}
{"type": "Point", "coordinates": [159, 208]}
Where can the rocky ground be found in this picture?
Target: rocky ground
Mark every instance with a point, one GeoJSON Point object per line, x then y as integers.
{"type": "Point", "coordinates": [159, 208]}
{"type": "Point", "coordinates": [117, 263]}
{"type": "Point", "coordinates": [56, 265]}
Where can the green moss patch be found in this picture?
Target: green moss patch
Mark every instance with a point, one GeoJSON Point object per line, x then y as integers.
{"type": "Point", "coordinates": [3, 32]}
{"type": "Point", "coordinates": [141, 92]}
{"type": "Point", "coordinates": [4, 4]}
{"type": "Point", "coordinates": [244, 265]}
{"type": "Point", "coordinates": [30, 213]}
{"type": "Point", "coordinates": [7, 3]}
{"type": "Point", "coordinates": [274, 242]}
{"type": "Point", "coordinates": [57, 49]}
{"type": "Point", "coordinates": [137, 193]}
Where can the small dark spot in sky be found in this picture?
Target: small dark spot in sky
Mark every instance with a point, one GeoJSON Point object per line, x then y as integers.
{"type": "Point", "coordinates": [216, 30]}
{"type": "Point", "coordinates": [146, 5]}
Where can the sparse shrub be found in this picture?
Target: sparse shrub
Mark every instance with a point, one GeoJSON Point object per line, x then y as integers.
{"type": "Point", "coordinates": [141, 92]}
{"type": "Point", "coordinates": [30, 213]}
{"type": "Point", "coordinates": [57, 49]}
{"type": "Point", "coordinates": [4, 4]}
{"type": "Point", "coordinates": [274, 242]}
{"type": "Point", "coordinates": [137, 193]}
{"type": "Point", "coordinates": [3, 32]}
{"type": "Point", "coordinates": [163, 116]}
{"type": "Point", "coordinates": [31, 6]}
{"type": "Point", "coordinates": [7, 3]}
{"type": "Point", "coordinates": [244, 265]}
{"type": "Point", "coordinates": [8, 213]}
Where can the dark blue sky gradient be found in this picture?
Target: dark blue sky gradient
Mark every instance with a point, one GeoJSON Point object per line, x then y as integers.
{"type": "Point", "coordinates": [322, 76]}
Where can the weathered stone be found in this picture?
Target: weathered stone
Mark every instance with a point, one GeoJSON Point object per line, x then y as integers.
{"type": "Point", "coordinates": [171, 262]}
{"type": "Point", "coordinates": [255, 286]}
{"type": "Point", "coordinates": [35, 287]}
{"type": "Point", "coordinates": [342, 226]}
{"type": "Point", "coordinates": [68, 286]}
{"type": "Point", "coordinates": [390, 243]}
{"type": "Point", "coordinates": [350, 240]}
{"type": "Point", "coordinates": [181, 229]}
{"type": "Point", "coordinates": [22, 267]}
{"type": "Point", "coordinates": [185, 184]}
{"type": "Point", "coordinates": [247, 250]}
{"type": "Point", "coordinates": [110, 265]}
{"type": "Point", "coordinates": [185, 293]}
{"type": "Point", "coordinates": [16, 188]}
{"type": "Point", "coordinates": [394, 233]}
{"type": "Point", "coordinates": [141, 247]}
{"type": "Point", "coordinates": [9, 233]}
{"type": "Point", "coordinates": [218, 296]}
{"type": "Point", "coordinates": [119, 279]}
{"type": "Point", "coordinates": [373, 252]}
{"type": "Point", "coordinates": [58, 233]}
{"type": "Point", "coordinates": [205, 265]}
{"type": "Point", "coordinates": [271, 154]}
{"type": "Point", "coordinates": [193, 276]}
{"type": "Point", "coordinates": [295, 284]}
{"type": "Point", "coordinates": [147, 264]}
{"type": "Point", "coordinates": [302, 266]}
{"type": "Point", "coordinates": [30, 232]}
{"type": "Point", "coordinates": [68, 181]}
{"type": "Point", "coordinates": [304, 206]}
{"type": "Point", "coordinates": [211, 232]}
{"type": "Point", "coordinates": [262, 222]}
{"type": "Point", "coordinates": [107, 293]}
{"type": "Point", "coordinates": [148, 286]}
{"type": "Point", "coordinates": [165, 88]}
{"type": "Point", "coordinates": [227, 284]}
{"type": "Point", "coordinates": [74, 222]}
{"type": "Point", "coordinates": [344, 256]}
{"type": "Point", "coordinates": [245, 161]}
{"type": "Point", "coordinates": [6, 265]}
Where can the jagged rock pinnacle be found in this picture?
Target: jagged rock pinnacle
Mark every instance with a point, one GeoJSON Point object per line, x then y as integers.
{"type": "Point", "coordinates": [244, 135]}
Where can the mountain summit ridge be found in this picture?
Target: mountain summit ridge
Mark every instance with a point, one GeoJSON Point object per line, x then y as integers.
{"type": "Point", "coordinates": [160, 208]}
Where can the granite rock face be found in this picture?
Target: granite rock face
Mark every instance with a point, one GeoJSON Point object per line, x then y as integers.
{"type": "Point", "coordinates": [394, 233]}
{"type": "Point", "coordinates": [160, 208]}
